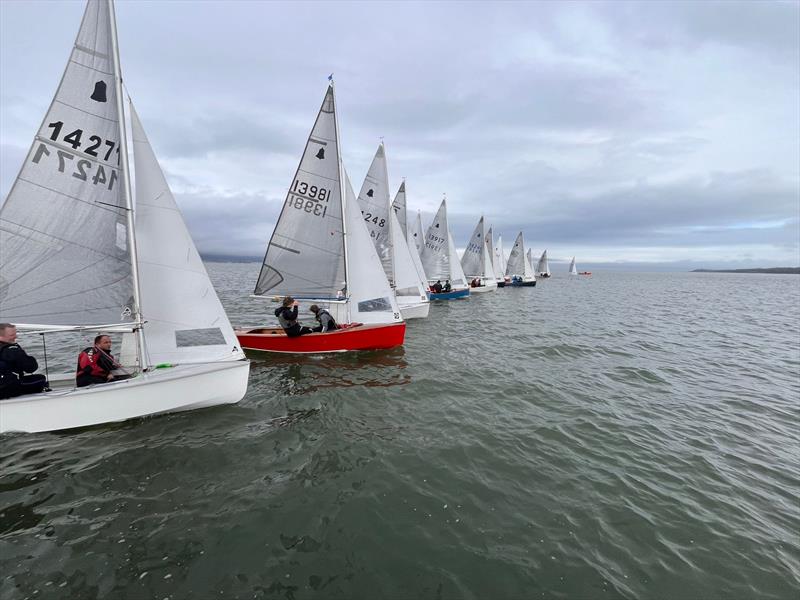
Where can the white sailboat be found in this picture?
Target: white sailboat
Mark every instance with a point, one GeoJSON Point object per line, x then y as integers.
{"type": "Point", "coordinates": [519, 268]}
{"type": "Point", "coordinates": [440, 259]}
{"type": "Point", "coordinates": [69, 235]}
{"type": "Point", "coordinates": [543, 267]}
{"type": "Point", "coordinates": [477, 261]}
{"type": "Point", "coordinates": [321, 252]}
{"type": "Point", "coordinates": [412, 234]}
{"type": "Point", "coordinates": [390, 241]}
{"type": "Point", "coordinates": [500, 262]}
{"type": "Point", "coordinates": [573, 270]}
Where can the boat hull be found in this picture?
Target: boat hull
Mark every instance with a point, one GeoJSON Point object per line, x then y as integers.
{"type": "Point", "coordinates": [451, 295]}
{"type": "Point", "coordinates": [482, 289]}
{"type": "Point", "coordinates": [347, 339]}
{"type": "Point", "coordinates": [522, 284]}
{"type": "Point", "coordinates": [174, 389]}
{"type": "Point", "coordinates": [414, 311]}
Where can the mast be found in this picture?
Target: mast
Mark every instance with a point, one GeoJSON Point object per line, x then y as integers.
{"type": "Point", "coordinates": [393, 282]}
{"type": "Point", "coordinates": [126, 188]}
{"type": "Point", "coordinates": [342, 193]}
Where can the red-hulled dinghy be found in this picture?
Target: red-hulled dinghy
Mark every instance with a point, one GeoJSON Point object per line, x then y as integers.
{"type": "Point", "coordinates": [354, 336]}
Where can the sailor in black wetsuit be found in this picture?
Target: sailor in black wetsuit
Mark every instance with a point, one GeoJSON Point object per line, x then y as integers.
{"type": "Point", "coordinates": [436, 288]}
{"type": "Point", "coordinates": [14, 363]}
{"type": "Point", "coordinates": [287, 317]}
{"type": "Point", "coordinates": [447, 286]}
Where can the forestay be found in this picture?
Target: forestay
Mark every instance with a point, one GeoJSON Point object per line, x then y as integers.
{"type": "Point", "coordinates": [63, 233]}
{"type": "Point", "coordinates": [305, 256]}
{"type": "Point", "coordinates": [370, 298]}
{"type": "Point", "coordinates": [185, 321]}
{"type": "Point", "coordinates": [373, 199]}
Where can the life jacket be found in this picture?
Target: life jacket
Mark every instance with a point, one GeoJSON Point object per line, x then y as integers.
{"type": "Point", "coordinates": [285, 323]}
{"type": "Point", "coordinates": [321, 312]}
{"type": "Point", "coordinates": [90, 357]}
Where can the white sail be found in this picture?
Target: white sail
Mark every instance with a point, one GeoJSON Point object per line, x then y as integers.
{"type": "Point", "coordinates": [399, 206]}
{"type": "Point", "coordinates": [542, 267]}
{"type": "Point", "coordinates": [370, 298]}
{"type": "Point", "coordinates": [305, 255]}
{"type": "Point", "coordinates": [500, 257]}
{"type": "Point", "coordinates": [529, 272]}
{"type": "Point", "coordinates": [417, 236]}
{"type": "Point", "coordinates": [373, 199]}
{"type": "Point", "coordinates": [518, 264]}
{"type": "Point", "coordinates": [488, 255]}
{"type": "Point", "coordinates": [472, 260]}
{"type": "Point", "coordinates": [477, 260]}
{"type": "Point", "coordinates": [457, 277]}
{"type": "Point", "coordinates": [185, 321]}
{"type": "Point", "coordinates": [573, 270]}
{"type": "Point", "coordinates": [64, 242]}
{"type": "Point", "coordinates": [410, 288]}
{"type": "Point", "coordinates": [436, 251]}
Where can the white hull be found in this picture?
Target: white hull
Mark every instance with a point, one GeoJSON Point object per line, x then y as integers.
{"type": "Point", "coordinates": [415, 310]}
{"type": "Point", "coordinates": [490, 286]}
{"type": "Point", "coordinates": [184, 387]}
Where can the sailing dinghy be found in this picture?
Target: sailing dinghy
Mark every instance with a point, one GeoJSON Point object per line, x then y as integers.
{"type": "Point", "coordinates": [390, 241]}
{"type": "Point", "coordinates": [399, 206]}
{"type": "Point", "coordinates": [543, 267]}
{"type": "Point", "coordinates": [321, 252]}
{"type": "Point", "coordinates": [573, 270]}
{"type": "Point", "coordinates": [477, 262]}
{"type": "Point", "coordinates": [500, 262]}
{"type": "Point", "coordinates": [440, 259]}
{"type": "Point", "coordinates": [69, 234]}
{"type": "Point", "coordinates": [519, 268]}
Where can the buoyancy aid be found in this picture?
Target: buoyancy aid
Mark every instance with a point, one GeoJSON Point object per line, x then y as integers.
{"type": "Point", "coordinates": [285, 322]}
{"type": "Point", "coordinates": [93, 362]}
{"type": "Point", "coordinates": [326, 320]}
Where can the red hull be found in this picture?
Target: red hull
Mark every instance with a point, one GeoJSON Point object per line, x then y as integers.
{"type": "Point", "coordinates": [350, 337]}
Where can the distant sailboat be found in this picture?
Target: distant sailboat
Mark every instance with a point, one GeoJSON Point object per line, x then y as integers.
{"type": "Point", "coordinates": [440, 259]}
{"type": "Point", "coordinates": [500, 262]}
{"type": "Point", "coordinates": [543, 267]}
{"type": "Point", "coordinates": [572, 268]}
{"type": "Point", "coordinates": [390, 240]}
{"type": "Point", "coordinates": [477, 261]}
{"type": "Point", "coordinates": [78, 256]}
{"type": "Point", "coordinates": [321, 252]}
{"type": "Point", "coordinates": [519, 268]}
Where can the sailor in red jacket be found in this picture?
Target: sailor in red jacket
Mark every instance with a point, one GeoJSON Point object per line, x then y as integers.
{"type": "Point", "coordinates": [96, 363]}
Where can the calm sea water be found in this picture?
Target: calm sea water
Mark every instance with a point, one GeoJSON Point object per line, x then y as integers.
{"type": "Point", "coordinates": [618, 436]}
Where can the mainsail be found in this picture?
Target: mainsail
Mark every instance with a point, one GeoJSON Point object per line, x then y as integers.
{"type": "Point", "coordinates": [476, 261]}
{"type": "Point", "coordinates": [399, 206]}
{"type": "Point", "coordinates": [542, 267]}
{"type": "Point", "coordinates": [489, 255]}
{"type": "Point", "coordinates": [573, 270]}
{"type": "Point", "coordinates": [64, 240]}
{"type": "Point", "coordinates": [517, 261]}
{"type": "Point", "coordinates": [305, 256]}
{"type": "Point", "coordinates": [373, 199]}
{"type": "Point", "coordinates": [185, 321]}
{"type": "Point", "coordinates": [436, 251]}
{"type": "Point", "coordinates": [500, 257]}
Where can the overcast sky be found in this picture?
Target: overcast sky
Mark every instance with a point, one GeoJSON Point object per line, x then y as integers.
{"type": "Point", "coordinates": [624, 131]}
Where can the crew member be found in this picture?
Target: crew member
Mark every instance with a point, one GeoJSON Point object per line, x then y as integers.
{"type": "Point", "coordinates": [95, 364]}
{"type": "Point", "coordinates": [437, 287]}
{"type": "Point", "coordinates": [326, 321]}
{"type": "Point", "coordinates": [287, 317]}
{"type": "Point", "coordinates": [447, 286]}
{"type": "Point", "coordinates": [14, 363]}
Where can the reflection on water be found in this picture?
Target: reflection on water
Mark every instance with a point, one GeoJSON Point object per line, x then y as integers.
{"type": "Point", "coordinates": [304, 374]}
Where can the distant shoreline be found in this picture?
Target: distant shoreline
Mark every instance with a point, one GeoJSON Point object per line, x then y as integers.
{"type": "Point", "coordinates": [772, 270]}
